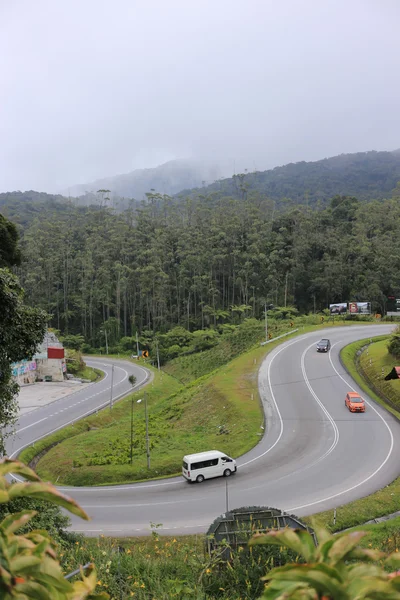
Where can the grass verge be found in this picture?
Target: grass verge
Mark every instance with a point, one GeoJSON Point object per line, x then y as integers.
{"type": "Point", "coordinates": [221, 409]}
{"type": "Point", "coordinates": [90, 373]}
{"type": "Point", "coordinates": [386, 500]}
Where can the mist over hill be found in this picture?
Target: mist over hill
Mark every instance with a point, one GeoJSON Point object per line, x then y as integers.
{"type": "Point", "coordinates": [365, 175]}
{"type": "Point", "coordinates": [168, 178]}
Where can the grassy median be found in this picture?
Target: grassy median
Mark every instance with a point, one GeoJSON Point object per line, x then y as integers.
{"type": "Point", "coordinates": [218, 410]}
{"type": "Point", "coordinates": [221, 410]}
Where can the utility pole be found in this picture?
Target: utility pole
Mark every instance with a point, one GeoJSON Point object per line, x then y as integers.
{"type": "Point", "coordinates": [137, 344]}
{"type": "Point", "coordinates": [147, 431]}
{"type": "Point", "coordinates": [112, 381]}
{"type": "Point", "coordinates": [105, 333]}
{"type": "Point", "coordinates": [137, 402]}
{"type": "Point", "coordinates": [287, 275]}
{"type": "Point", "coordinates": [158, 357]}
{"type": "Point", "coordinates": [132, 431]}
{"type": "Point", "coordinates": [266, 322]}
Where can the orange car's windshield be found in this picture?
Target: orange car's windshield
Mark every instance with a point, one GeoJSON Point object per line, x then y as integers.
{"type": "Point", "coordinates": [356, 400]}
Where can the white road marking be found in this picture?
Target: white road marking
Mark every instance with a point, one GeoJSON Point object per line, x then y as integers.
{"type": "Point", "coordinates": [331, 420]}
{"type": "Point", "coordinates": [350, 489]}
{"type": "Point", "coordinates": [31, 425]}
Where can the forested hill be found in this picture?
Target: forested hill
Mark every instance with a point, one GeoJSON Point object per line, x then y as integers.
{"type": "Point", "coordinates": [168, 178]}
{"type": "Point", "coordinates": [23, 207]}
{"type": "Point", "coordinates": [205, 262]}
{"type": "Point", "coordinates": [365, 175]}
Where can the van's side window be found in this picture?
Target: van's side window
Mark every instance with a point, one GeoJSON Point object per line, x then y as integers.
{"type": "Point", "coordinates": [226, 459]}
{"type": "Point", "coordinates": [204, 464]}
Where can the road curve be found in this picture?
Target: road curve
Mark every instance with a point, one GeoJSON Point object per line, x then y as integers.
{"type": "Point", "coordinates": [46, 420]}
{"type": "Point", "coordinates": [315, 454]}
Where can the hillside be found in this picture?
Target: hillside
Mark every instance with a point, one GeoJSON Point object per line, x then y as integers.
{"type": "Point", "coordinates": [365, 175]}
{"type": "Point", "coordinates": [168, 178]}
{"type": "Point", "coordinates": [23, 207]}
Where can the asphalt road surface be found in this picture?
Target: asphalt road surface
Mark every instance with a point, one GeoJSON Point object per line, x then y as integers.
{"type": "Point", "coordinates": [64, 411]}
{"type": "Point", "coordinates": [315, 454]}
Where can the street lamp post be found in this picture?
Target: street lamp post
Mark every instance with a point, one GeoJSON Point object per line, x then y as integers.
{"type": "Point", "coordinates": [266, 322]}
{"type": "Point", "coordinates": [147, 431]}
{"type": "Point", "coordinates": [158, 357]}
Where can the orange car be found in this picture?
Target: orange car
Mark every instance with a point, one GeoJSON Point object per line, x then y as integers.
{"type": "Point", "coordinates": [354, 402]}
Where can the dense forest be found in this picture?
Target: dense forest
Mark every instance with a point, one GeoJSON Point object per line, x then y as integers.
{"type": "Point", "coordinates": [205, 262]}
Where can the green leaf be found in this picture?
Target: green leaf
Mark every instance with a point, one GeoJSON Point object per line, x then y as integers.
{"type": "Point", "coordinates": [322, 578]}
{"type": "Point", "coordinates": [8, 465]}
{"type": "Point", "coordinates": [343, 546]}
{"type": "Point", "coordinates": [34, 590]}
{"type": "Point", "coordinates": [15, 521]}
{"type": "Point", "coordinates": [19, 564]}
{"type": "Point", "coordinates": [298, 540]}
{"type": "Point", "coordinates": [46, 491]}
{"type": "Point", "coordinates": [393, 560]}
{"type": "Point", "coordinates": [4, 497]}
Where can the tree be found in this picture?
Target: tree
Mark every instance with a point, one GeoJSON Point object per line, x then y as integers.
{"type": "Point", "coordinates": [21, 329]}
{"type": "Point", "coordinates": [336, 569]}
{"type": "Point", "coordinates": [29, 563]}
{"type": "Point", "coordinates": [10, 253]}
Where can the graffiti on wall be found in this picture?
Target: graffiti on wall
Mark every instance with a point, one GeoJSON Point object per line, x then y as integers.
{"type": "Point", "coordinates": [23, 367]}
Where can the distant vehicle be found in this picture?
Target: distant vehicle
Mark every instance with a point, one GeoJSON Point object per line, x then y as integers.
{"type": "Point", "coordinates": [323, 345]}
{"type": "Point", "coordinates": [354, 402]}
{"type": "Point", "coordinates": [205, 465]}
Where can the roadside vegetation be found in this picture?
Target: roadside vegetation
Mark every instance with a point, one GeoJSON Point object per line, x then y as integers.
{"type": "Point", "coordinates": [201, 406]}
{"type": "Point", "coordinates": [77, 367]}
{"type": "Point", "coordinates": [362, 359]}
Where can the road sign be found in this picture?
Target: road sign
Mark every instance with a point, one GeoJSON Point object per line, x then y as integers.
{"type": "Point", "coordinates": [145, 353]}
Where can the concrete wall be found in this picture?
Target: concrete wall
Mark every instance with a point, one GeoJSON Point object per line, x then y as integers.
{"type": "Point", "coordinates": [50, 367]}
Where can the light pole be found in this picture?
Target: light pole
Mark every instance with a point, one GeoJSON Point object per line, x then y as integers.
{"type": "Point", "coordinates": [158, 357]}
{"type": "Point", "coordinates": [112, 381]}
{"type": "Point", "coordinates": [147, 431]}
{"type": "Point", "coordinates": [137, 344]}
{"type": "Point", "coordinates": [137, 402]}
{"type": "Point", "coordinates": [266, 322]}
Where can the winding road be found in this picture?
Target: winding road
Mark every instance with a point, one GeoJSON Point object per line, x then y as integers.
{"type": "Point", "coordinates": [315, 454]}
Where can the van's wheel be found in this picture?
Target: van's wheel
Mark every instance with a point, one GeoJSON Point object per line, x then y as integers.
{"type": "Point", "coordinates": [227, 472]}
{"type": "Point", "coordinates": [200, 478]}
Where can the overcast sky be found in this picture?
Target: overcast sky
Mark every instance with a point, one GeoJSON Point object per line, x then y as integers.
{"type": "Point", "coordinates": [91, 88]}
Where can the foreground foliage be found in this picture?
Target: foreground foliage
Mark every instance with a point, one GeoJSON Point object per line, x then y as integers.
{"type": "Point", "coordinates": [21, 327]}
{"type": "Point", "coordinates": [29, 567]}
{"type": "Point", "coordinates": [337, 569]}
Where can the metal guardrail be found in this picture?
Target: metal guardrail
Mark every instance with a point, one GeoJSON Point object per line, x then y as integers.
{"type": "Point", "coordinates": [77, 571]}
{"type": "Point", "coordinates": [279, 337]}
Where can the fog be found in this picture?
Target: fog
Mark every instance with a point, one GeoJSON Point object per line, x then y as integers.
{"type": "Point", "coordinates": [96, 88]}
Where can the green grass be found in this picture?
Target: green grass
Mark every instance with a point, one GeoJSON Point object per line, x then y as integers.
{"type": "Point", "coordinates": [90, 374]}
{"type": "Point", "coordinates": [187, 368]}
{"type": "Point", "coordinates": [376, 363]}
{"type": "Point", "coordinates": [386, 500]}
{"type": "Point", "coordinates": [219, 410]}
{"type": "Point", "coordinates": [178, 567]}
{"type": "Point", "coordinates": [382, 358]}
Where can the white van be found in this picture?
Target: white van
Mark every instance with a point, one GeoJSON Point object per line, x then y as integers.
{"type": "Point", "coordinates": [205, 465]}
